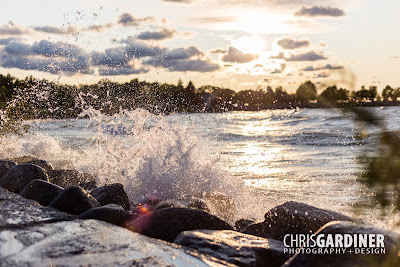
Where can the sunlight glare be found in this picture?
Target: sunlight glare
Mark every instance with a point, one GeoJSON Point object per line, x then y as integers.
{"type": "Point", "coordinates": [253, 44]}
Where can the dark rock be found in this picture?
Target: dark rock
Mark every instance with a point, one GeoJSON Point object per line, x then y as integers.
{"type": "Point", "coordinates": [236, 248]}
{"type": "Point", "coordinates": [5, 165]}
{"type": "Point", "coordinates": [19, 176]}
{"type": "Point", "coordinates": [111, 194]}
{"type": "Point", "coordinates": [167, 223]}
{"type": "Point", "coordinates": [23, 159]}
{"type": "Point", "coordinates": [91, 243]}
{"type": "Point", "coordinates": [350, 259]}
{"type": "Point", "coordinates": [219, 204]}
{"type": "Point", "coordinates": [294, 218]}
{"type": "Point", "coordinates": [242, 224]}
{"type": "Point", "coordinates": [42, 163]}
{"type": "Point", "coordinates": [74, 200]}
{"type": "Point", "coordinates": [89, 185]}
{"type": "Point", "coordinates": [41, 191]}
{"type": "Point", "coordinates": [191, 203]}
{"type": "Point", "coordinates": [16, 211]}
{"type": "Point", "coordinates": [67, 178]}
{"type": "Point", "coordinates": [111, 213]}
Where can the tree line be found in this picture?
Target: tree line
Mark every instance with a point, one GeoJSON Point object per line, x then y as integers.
{"type": "Point", "coordinates": [47, 99]}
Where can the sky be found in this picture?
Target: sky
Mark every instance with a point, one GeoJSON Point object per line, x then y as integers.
{"type": "Point", "coordinates": [237, 44]}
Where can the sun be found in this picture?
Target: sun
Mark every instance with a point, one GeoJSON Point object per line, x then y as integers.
{"type": "Point", "coordinates": [253, 44]}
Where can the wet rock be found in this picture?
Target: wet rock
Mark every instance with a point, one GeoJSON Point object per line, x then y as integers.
{"type": "Point", "coordinates": [67, 178]}
{"type": "Point", "coordinates": [350, 259]}
{"type": "Point", "coordinates": [111, 213]}
{"type": "Point", "coordinates": [19, 176]}
{"type": "Point", "coordinates": [74, 200]}
{"type": "Point", "coordinates": [5, 165]}
{"type": "Point", "coordinates": [219, 204]}
{"type": "Point", "coordinates": [294, 218]}
{"type": "Point", "coordinates": [91, 243]}
{"type": "Point", "coordinates": [16, 211]}
{"type": "Point", "coordinates": [236, 248]}
{"type": "Point", "coordinates": [167, 223]}
{"type": "Point", "coordinates": [42, 163]}
{"type": "Point", "coordinates": [41, 191]}
{"type": "Point", "coordinates": [23, 159]}
{"type": "Point", "coordinates": [191, 203]}
{"type": "Point", "coordinates": [242, 224]}
{"type": "Point", "coordinates": [89, 185]}
{"type": "Point", "coordinates": [111, 194]}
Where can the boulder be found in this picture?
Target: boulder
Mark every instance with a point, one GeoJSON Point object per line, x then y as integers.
{"type": "Point", "coordinates": [5, 165]}
{"type": "Point", "coordinates": [390, 256]}
{"type": "Point", "coordinates": [74, 200]}
{"type": "Point", "coordinates": [91, 243]}
{"type": "Point", "coordinates": [167, 223]}
{"type": "Point", "coordinates": [191, 203]}
{"type": "Point", "coordinates": [111, 194]}
{"type": "Point", "coordinates": [67, 178]}
{"type": "Point", "coordinates": [242, 224]}
{"type": "Point", "coordinates": [42, 163]}
{"type": "Point", "coordinates": [236, 248]}
{"type": "Point", "coordinates": [111, 213]}
{"type": "Point", "coordinates": [41, 191]}
{"type": "Point", "coordinates": [18, 212]}
{"type": "Point", "coordinates": [219, 204]}
{"type": "Point", "coordinates": [294, 218]}
{"type": "Point", "coordinates": [19, 176]}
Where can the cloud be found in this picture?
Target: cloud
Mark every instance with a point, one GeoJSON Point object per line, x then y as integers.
{"type": "Point", "coordinates": [309, 56]}
{"type": "Point", "coordinates": [237, 56]}
{"type": "Point", "coordinates": [56, 30]}
{"type": "Point", "coordinates": [280, 70]}
{"type": "Point", "coordinates": [322, 75]}
{"type": "Point", "coordinates": [59, 49]}
{"type": "Point", "coordinates": [183, 53]}
{"type": "Point", "coordinates": [54, 66]}
{"type": "Point", "coordinates": [157, 35]}
{"type": "Point", "coordinates": [178, 1]}
{"type": "Point", "coordinates": [218, 51]}
{"type": "Point", "coordinates": [99, 28]}
{"type": "Point", "coordinates": [6, 41]}
{"type": "Point", "coordinates": [212, 20]}
{"type": "Point", "coordinates": [326, 67]}
{"type": "Point", "coordinates": [121, 71]}
{"type": "Point", "coordinates": [12, 29]}
{"type": "Point", "coordinates": [281, 55]}
{"type": "Point", "coordinates": [127, 19]}
{"type": "Point", "coordinates": [289, 43]}
{"type": "Point", "coordinates": [317, 11]}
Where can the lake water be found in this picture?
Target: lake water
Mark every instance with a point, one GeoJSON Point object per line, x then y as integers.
{"type": "Point", "coordinates": [261, 159]}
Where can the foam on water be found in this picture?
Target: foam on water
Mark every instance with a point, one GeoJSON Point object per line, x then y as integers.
{"type": "Point", "coordinates": [148, 154]}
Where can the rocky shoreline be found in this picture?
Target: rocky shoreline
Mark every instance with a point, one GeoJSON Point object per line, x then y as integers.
{"type": "Point", "coordinates": [54, 217]}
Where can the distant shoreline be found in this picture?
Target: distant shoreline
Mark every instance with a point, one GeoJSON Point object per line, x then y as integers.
{"type": "Point", "coordinates": [317, 105]}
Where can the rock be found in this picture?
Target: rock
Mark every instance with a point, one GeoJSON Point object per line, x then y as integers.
{"type": "Point", "coordinates": [242, 224]}
{"type": "Point", "coordinates": [74, 200]}
{"type": "Point", "coordinates": [167, 223]}
{"type": "Point", "coordinates": [111, 213]}
{"type": "Point", "coordinates": [236, 248]}
{"type": "Point", "coordinates": [89, 185]}
{"type": "Point", "coordinates": [42, 163]}
{"type": "Point", "coordinates": [41, 191]}
{"type": "Point", "coordinates": [91, 243]}
{"type": "Point", "coordinates": [19, 176]}
{"type": "Point", "coordinates": [294, 218]}
{"type": "Point", "coordinates": [16, 211]}
{"type": "Point", "coordinates": [350, 259]}
{"type": "Point", "coordinates": [67, 178]}
{"type": "Point", "coordinates": [111, 194]}
{"type": "Point", "coordinates": [23, 159]}
{"type": "Point", "coordinates": [191, 203]}
{"type": "Point", "coordinates": [219, 204]}
{"type": "Point", "coordinates": [5, 165]}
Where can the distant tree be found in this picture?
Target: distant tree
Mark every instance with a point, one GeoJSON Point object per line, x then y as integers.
{"type": "Point", "coordinates": [306, 92]}
{"type": "Point", "coordinates": [373, 92]}
{"type": "Point", "coordinates": [332, 94]}
{"type": "Point", "coordinates": [362, 94]}
{"type": "Point", "coordinates": [388, 93]}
